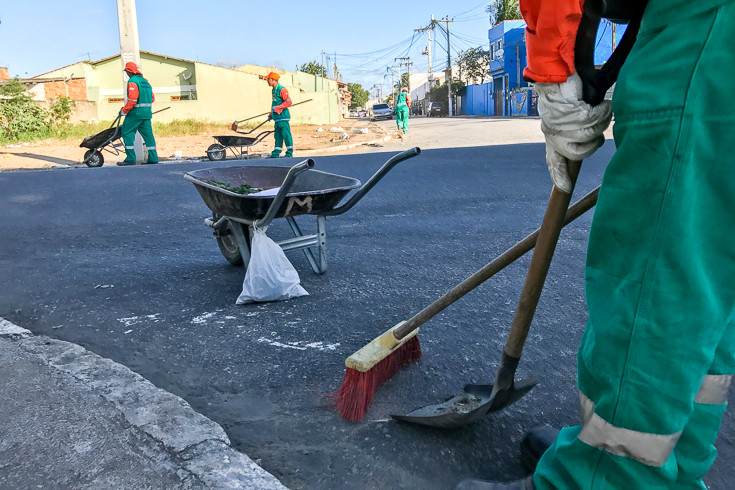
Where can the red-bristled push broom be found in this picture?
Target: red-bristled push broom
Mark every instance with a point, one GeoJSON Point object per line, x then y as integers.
{"type": "Point", "coordinates": [385, 355]}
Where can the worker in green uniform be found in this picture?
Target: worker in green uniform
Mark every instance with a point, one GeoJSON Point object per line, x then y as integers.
{"type": "Point", "coordinates": [137, 112]}
{"type": "Point", "coordinates": [281, 116]}
{"type": "Point", "coordinates": [658, 352]}
{"type": "Point", "coordinates": [401, 111]}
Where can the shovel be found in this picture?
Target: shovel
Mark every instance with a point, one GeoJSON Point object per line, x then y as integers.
{"type": "Point", "coordinates": [480, 399]}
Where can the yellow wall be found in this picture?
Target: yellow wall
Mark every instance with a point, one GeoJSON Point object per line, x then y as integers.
{"type": "Point", "coordinates": [220, 95]}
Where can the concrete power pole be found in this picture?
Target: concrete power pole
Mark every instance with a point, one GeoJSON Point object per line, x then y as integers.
{"type": "Point", "coordinates": [129, 51]}
{"type": "Point", "coordinates": [449, 65]}
{"type": "Point", "coordinates": [407, 63]}
{"type": "Point", "coordinates": [430, 28]}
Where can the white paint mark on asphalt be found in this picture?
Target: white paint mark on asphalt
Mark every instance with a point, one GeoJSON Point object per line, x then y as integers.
{"type": "Point", "coordinates": [128, 331]}
{"type": "Point", "coordinates": [203, 318]}
{"type": "Point", "coordinates": [299, 345]}
{"type": "Point", "coordinates": [130, 321]}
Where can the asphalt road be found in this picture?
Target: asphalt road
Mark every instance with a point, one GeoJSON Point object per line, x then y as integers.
{"type": "Point", "coordinates": [119, 261]}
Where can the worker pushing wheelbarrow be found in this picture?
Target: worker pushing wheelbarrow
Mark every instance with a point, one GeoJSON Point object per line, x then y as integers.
{"type": "Point", "coordinates": [241, 146]}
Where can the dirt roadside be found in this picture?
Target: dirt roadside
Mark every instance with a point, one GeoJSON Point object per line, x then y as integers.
{"type": "Point", "coordinates": [308, 141]}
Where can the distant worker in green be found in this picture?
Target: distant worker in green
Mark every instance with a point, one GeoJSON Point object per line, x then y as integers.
{"type": "Point", "coordinates": [281, 116]}
{"type": "Point", "coordinates": [137, 112]}
{"type": "Point", "coordinates": [401, 111]}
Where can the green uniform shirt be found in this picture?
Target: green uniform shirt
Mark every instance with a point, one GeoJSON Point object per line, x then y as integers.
{"type": "Point", "coordinates": [402, 101]}
{"type": "Point", "coordinates": [277, 100]}
{"type": "Point", "coordinates": [142, 109]}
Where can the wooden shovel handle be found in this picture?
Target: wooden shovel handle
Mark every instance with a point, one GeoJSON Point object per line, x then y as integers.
{"type": "Point", "coordinates": [544, 251]}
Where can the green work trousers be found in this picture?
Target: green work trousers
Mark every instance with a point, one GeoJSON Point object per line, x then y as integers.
{"type": "Point", "coordinates": [130, 126]}
{"type": "Point", "coordinates": [402, 119]}
{"type": "Point", "coordinates": [282, 134]}
{"type": "Point", "coordinates": [658, 352]}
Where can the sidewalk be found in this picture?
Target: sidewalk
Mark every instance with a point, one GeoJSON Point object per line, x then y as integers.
{"type": "Point", "coordinates": [72, 419]}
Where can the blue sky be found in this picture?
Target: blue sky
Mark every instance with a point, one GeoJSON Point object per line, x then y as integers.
{"type": "Point", "coordinates": [38, 36]}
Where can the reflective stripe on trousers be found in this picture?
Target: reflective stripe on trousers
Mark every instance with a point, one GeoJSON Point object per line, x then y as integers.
{"type": "Point", "coordinates": [649, 449]}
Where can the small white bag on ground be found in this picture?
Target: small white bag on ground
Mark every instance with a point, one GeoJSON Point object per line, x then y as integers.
{"type": "Point", "coordinates": [270, 276]}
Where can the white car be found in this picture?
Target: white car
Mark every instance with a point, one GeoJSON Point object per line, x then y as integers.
{"type": "Point", "coordinates": [381, 111]}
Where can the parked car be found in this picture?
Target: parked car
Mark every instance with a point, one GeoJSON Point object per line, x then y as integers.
{"type": "Point", "coordinates": [354, 113]}
{"type": "Point", "coordinates": [381, 111]}
{"type": "Point", "coordinates": [436, 109]}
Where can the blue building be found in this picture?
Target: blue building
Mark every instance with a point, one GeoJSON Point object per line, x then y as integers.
{"type": "Point", "coordinates": [508, 94]}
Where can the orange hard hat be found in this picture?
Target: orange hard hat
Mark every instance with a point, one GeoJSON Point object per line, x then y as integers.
{"type": "Point", "coordinates": [273, 75]}
{"type": "Point", "coordinates": [404, 89]}
{"type": "Point", "coordinates": [131, 67]}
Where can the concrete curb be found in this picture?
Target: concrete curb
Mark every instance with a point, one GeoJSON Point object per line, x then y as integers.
{"type": "Point", "coordinates": [198, 445]}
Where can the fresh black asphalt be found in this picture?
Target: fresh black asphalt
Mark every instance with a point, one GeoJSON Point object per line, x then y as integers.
{"type": "Point", "coordinates": [118, 260]}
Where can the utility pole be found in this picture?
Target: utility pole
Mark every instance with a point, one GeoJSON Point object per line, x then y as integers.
{"type": "Point", "coordinates": [323, 66]}
{"type": "Point", "coordinates": [408, 64]}
{"type": "Point", "coordinates": [429, 29]}
{"type": "Point", "coordinates": [127, 20]}
{"type": "Point", "coordinates": [431, 26]}
{"type": "Point", "coordinates": [392, 82]}
{"type": "Point", "coordinates": [449, 63]}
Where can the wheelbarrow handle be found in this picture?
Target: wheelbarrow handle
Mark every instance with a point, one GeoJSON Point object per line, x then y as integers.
{"type": "Point", "coordinates": [394, 160]}
{"type": "Point", "coordinates": [266, 113]}
{"type": "Point", "coordinates": [283, 191]}
{"type": "Point", "coordinates": [248, 132]}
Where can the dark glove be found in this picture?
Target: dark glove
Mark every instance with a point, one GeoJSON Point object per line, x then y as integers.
{"type": "Point", "coordinates": [270, 116]}
{"type": "Point", "coordinates": [122, 112]}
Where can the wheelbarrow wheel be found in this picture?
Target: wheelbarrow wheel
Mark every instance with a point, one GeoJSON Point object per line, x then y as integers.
{"type": "Point", "coordinates": [216, 152]}
{"type": "Point", "coordinates": [93, 158]}
{"type": "Point", "coordinates": [228, 244]}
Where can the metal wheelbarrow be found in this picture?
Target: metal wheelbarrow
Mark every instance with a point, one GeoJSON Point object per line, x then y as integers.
{"type": "Point", "coordinates": [97, 142]}
{"type": "Point", "coordinates": [288, 192]}
{"type": "Point", "coordinates": [238, 145]}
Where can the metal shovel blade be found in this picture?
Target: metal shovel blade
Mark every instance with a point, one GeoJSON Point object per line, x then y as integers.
{"type": "Point", "coordinates": [476, 402]}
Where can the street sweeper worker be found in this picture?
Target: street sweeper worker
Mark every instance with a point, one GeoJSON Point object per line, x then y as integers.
{"type": "Point", "coordinates": [137, 112]}
{"type": "Point", "coordinates": [658, 352]}
{"type": "Point", "coordinates": [281, 116]}
{"type": "Point", "coordinates": [402, 104]}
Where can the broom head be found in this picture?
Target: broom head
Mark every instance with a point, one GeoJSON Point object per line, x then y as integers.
{"type": "Point", "coordinates": [372, 365]}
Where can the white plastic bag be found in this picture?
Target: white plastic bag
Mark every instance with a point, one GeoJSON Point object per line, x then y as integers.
{"type": "Point", "coordinates": [270, 276]}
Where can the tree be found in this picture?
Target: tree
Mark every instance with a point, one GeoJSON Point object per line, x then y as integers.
{"type": "Point", "coordinates": [501, 10]}
{"type": "Point", "coordinates": [359, 96]}
{"type": "Point", "coordinates": [474, 63]}
{"type": "Point", "coordinates": [313, 68]}
{"type": "Point", "coordinates": [439, 92]}
{"type": "Point", "coordinates": [20, 116]}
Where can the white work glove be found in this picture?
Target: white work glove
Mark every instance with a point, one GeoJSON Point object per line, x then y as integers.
{"type": "Point", "coordinates": [572, 127]}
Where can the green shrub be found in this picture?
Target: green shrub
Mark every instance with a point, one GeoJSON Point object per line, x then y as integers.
{"type": "Point", "coordinates": [20, 116]}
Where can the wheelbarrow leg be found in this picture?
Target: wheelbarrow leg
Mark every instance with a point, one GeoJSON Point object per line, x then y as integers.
{"type": "Point", "coordinates": [318, 262]}
{"type": "Point", "coordinates": [321, 232]}
{"type": "Point", "coordinates": [242, 243]}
